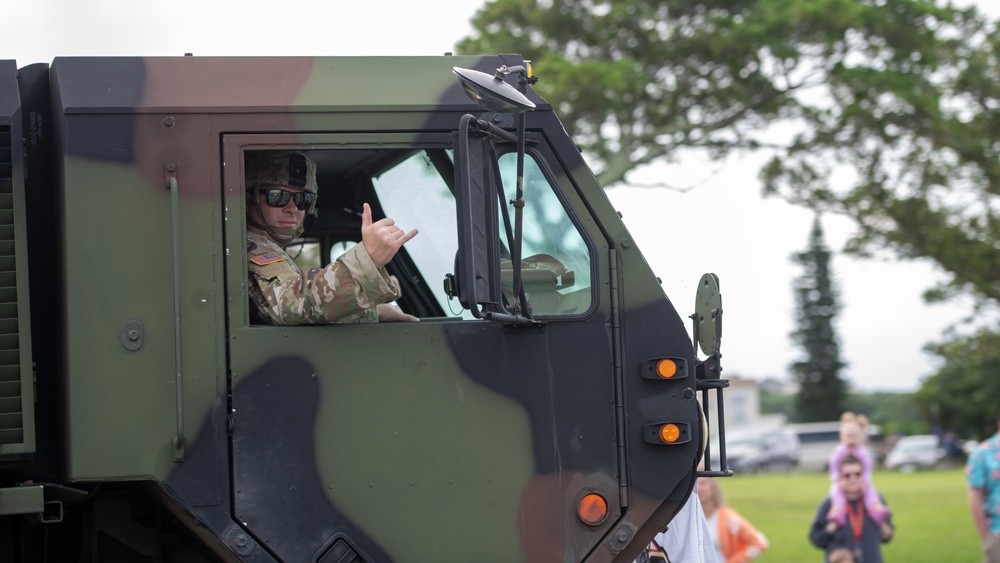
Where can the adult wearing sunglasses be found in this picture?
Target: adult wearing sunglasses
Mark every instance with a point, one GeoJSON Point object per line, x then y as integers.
{"type": "Point", "coordinates": [281, 188]}
{"type": "Point", "coordinates": [860, 538]}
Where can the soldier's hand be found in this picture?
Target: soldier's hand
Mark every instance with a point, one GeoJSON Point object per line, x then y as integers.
{"type": "Point", "coordinates": [382, 239]}
{"type": "Point", "coordinates": [392, 314]}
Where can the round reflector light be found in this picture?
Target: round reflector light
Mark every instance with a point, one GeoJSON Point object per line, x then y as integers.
{"type": "Point", "coordinates": [666, 369]}
{"type": "Point", "coordinates": [669, 433]}
{"type": "Point", "coordinates": [593, 509]}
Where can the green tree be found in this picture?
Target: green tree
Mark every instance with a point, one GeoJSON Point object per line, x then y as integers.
{"type": "Point", "coordinates": [776, 403]}
{"type": "Point", "coordinates": [962, 395]}
{"type": "Point", "coordinates": [892, 412]}
{"type": "Point", "coordinates": [822, 392]}
{"type": "Point", "coordinates": [904, 94]}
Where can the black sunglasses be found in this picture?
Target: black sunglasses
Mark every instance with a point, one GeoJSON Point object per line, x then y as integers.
{"type": "Point", "coordinates": [277, 197]}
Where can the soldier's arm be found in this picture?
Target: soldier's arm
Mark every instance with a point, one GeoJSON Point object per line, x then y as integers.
{"type": "Point", "coordinates": [346, 291]}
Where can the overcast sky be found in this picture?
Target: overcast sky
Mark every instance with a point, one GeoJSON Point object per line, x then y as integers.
{"type": "Point", "coordinates": [722, 226]}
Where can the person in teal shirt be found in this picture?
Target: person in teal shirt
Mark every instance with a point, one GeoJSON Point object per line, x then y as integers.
{"type": "Point", "coordinates": [983, 471]}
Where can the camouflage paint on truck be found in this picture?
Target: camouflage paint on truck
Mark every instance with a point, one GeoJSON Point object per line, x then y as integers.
{"type": "Point", "coordinates": [171, 427]}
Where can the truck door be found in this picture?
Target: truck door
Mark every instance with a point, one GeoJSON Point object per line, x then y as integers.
{"type": "Point", "coordinates": [453, 435]}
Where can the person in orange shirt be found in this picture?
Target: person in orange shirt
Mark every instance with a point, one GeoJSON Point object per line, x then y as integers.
{"type": "Point", "coordinates": [735, 539]}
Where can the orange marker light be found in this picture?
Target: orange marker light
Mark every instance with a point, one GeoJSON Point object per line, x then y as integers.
{"type": "Point", "coordinates": [666, 369]}
{"type": "Point", "coordinates": [593, 509]}
{"type": "Point", "coordinates": [669, 433]}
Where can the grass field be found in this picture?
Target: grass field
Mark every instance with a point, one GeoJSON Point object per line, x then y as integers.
{"type": "Point", "coordinates": [929, 511]}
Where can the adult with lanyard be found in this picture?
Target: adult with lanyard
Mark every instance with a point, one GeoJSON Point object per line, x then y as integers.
{"type": "Point", "coordinates": [860, 539]}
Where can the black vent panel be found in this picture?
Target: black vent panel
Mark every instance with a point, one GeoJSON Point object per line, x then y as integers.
{"type": "Point", "coordinates": [12, 414]}
{"type": "Point", "coordinates": [6, 159]}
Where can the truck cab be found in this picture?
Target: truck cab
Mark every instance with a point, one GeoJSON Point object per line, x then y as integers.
{"type": "Point", "coordinates": [544, 408]}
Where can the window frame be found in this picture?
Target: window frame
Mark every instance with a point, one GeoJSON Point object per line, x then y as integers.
{"type": "Point", "coordinates": [234, 146]}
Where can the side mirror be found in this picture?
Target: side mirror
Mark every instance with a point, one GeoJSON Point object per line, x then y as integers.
{"type": "Point", "coordinates": [707, 319]}
{"type": "Point", "coordinates": [491, 92]}
{"type": "Point", "coordinates": [477, 267]}
{"type": "Point", "coordinates": [708, 315]}
{"type": "Point", "coordinates": [477, 189]}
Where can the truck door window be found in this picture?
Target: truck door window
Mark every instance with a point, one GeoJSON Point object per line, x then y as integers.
{"type": "Point", "coordinates": [416, 196]}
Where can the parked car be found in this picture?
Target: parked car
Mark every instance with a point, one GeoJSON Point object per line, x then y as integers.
{"type": "Point", "coordinates": [913, 452]}
{"type": "Point", "coordinates": [817, 440]}
{"type": "Point", "coordinates": [762, 450]}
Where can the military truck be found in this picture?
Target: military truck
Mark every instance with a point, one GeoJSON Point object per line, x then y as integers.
{"type": "Point", "coordinates": [545, 408]}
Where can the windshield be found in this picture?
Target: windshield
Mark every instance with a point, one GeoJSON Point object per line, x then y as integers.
{"type": "Point", "coordinates": [916, 446]}
{"type": "Point", "coordinates": [556, 260]}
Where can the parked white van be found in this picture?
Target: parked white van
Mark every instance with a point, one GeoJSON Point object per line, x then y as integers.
{"type": "Point", "coordinates": [817, 440]}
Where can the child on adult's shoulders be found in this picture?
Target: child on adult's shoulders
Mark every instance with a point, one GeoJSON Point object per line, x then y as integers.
{"type": "Point", "coordinates": [853, 442]}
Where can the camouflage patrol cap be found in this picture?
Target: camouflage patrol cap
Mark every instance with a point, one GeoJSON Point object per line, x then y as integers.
{"type": "Point", "coordinates": [281, 168]}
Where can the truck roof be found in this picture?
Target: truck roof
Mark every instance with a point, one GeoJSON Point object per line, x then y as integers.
{"type": "Point", "coordinates": [241, 84]}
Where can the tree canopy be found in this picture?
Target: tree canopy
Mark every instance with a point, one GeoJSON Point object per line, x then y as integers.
{"type": "Point", "coordinates": [886, 112]}
{"type": "Point", "coordinates": [962, 395]}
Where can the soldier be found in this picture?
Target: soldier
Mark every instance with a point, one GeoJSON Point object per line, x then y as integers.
{"type": "Point", "coordinates": [281, 189]}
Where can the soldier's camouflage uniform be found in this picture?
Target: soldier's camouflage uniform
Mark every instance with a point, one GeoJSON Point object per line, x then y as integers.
{"type": "Point", "coordinates": [345, 291]}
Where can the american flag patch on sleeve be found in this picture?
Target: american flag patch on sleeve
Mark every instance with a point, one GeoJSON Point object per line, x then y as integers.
{"type": "Point", "coordinates": [265, 259]}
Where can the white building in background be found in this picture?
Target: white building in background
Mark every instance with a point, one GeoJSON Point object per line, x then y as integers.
{"type": "Point", "coordinates": [742, 408]}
